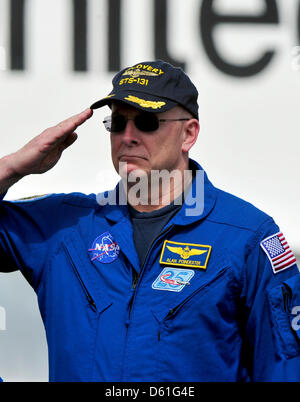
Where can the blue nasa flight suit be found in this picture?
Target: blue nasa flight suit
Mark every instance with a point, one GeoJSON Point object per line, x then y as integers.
{"type": "Point", "coordinates": [206, 305]}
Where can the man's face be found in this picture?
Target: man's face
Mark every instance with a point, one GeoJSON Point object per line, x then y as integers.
{"type": "Point", "coordinates": [146, 151]}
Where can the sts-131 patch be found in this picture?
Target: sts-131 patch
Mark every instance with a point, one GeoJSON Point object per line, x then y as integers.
{"type": "Point", "coordinates": [185, 254]}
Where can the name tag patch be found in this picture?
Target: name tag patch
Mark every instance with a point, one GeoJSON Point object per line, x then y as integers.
{"type": "Point", "coordinates": [185, 254]}
{"type": "Point", "coordinates": [173, 279]}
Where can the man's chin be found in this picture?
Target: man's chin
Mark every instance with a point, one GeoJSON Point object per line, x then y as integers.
{"type": "Point", "coordinates": [132, 172]}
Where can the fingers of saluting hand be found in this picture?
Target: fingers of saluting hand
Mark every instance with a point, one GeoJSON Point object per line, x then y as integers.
{"type": "Point", "coordinates": [58, 134]}
{"type": "Point", "coordinates": [43, 151]}
{"type": "Point", "coordinates": [69, 125]}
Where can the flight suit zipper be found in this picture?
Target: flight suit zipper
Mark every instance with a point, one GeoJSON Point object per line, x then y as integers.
{"type": "Point", "coordinates": [86, 292]}
{"type": "Point", "coordinates": [173, 311]}
{"type": "Point", "coordinates": [176, 309]}
{"type": "Point", "coordinates": [287, 296]}
{"type": "Point", "coordinates": [135, 275]}
{"type": "Point", "coordinates": [135, 279]}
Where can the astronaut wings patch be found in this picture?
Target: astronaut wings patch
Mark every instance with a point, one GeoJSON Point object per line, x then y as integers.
{"type": "Point", "coordinates": [278, 252]}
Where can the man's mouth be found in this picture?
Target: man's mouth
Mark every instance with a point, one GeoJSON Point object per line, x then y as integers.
{"type": "Point", "coordinates": [125, 157]}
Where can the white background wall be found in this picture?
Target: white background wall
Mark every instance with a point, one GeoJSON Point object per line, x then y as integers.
{"type": "Point", "coordinates": [249, 142]}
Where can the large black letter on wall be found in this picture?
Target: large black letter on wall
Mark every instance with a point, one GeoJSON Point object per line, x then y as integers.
{"type": "Point", "coordinates": [209, 19]}
{"type": "Point", "coordinates": [79, 35]}
{"type": "Point", "coordinates": [114, 35]}
{"type": "Point", "coordinates": [17, 22]}
{"type": "Point", "coordinates": [298, 23]}
{"type": "Point", "coordinates": [160, 34]}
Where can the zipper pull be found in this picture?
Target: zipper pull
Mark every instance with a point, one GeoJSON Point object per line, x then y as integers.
{"type": "Point", "coordinates": [92, 303]}
{"type": "Point", "coordinates": [171, 311]}
{"type": "Point", "coordinates": [135, 278]}
{"type": "Point", "coordinates": [287, 297]}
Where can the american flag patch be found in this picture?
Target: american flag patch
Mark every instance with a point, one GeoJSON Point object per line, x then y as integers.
{"type": "Point", "coordinates": [278, 251]}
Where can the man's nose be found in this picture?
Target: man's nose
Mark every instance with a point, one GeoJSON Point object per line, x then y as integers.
{"type": "Point", "coordinates": [130, 135]}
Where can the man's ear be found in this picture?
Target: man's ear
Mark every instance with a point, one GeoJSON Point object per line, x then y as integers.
{"type": "Point", "coordinates": [191, 131]}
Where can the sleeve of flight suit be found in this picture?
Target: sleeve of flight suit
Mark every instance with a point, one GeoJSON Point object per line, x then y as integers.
{"type": "Point", "coordinates": [272, 303]}
{"type": "Point", "coordinates": [26, 229]}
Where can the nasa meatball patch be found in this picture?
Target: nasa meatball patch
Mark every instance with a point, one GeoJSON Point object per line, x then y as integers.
{"type": "Point", "coordinates": [104, 249]}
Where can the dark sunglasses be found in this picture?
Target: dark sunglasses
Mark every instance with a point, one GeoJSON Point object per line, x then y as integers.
{"type": "Point", "coordinates": [144, 122]}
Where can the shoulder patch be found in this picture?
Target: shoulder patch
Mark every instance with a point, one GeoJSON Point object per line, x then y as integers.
{"type": "Point", "coordinates": [32, 198]}
{"type": "Point", "coordinates": [278, 252]}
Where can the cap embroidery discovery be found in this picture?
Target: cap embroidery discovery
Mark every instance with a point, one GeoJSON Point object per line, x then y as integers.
{"type": "Point", "coordinates": [164, 87]}
{"type": "Point", "coordinates": [145, 69]}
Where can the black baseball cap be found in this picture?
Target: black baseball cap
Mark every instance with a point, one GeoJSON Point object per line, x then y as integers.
{"type": "Point", "coordinates": [153, 86]}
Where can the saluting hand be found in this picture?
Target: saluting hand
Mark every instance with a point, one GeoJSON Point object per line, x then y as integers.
{"type": "Point", "coordinates": [41, 153]}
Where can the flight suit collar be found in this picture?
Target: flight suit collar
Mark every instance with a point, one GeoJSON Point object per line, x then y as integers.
{"type": "Point", "coordinates": [200, 199]}
{"type": "Point", "coordinates": [199, 202]}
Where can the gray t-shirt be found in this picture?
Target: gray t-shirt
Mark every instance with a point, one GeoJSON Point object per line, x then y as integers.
{"type": "Point", "coordinates": [148, 225]}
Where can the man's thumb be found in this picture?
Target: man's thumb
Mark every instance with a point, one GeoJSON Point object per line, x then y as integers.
{"type": "Point", "coordinates": [70, 140]}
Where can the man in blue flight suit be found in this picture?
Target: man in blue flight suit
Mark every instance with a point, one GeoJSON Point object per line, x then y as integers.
{"type": "Point", "coordinates": [190, 284]}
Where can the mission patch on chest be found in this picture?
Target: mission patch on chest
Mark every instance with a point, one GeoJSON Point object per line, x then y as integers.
{"type": "Point", "coordinates": [185, 254]}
